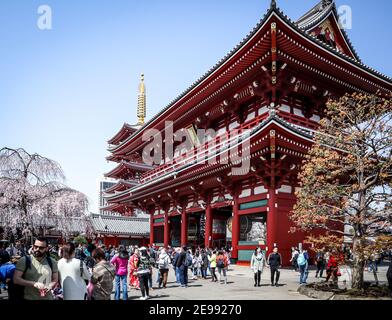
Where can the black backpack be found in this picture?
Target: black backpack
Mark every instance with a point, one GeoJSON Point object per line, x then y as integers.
{"type": "Point", "coordinates": [220, 263]}
{"type": "Point", "coordinates": [188, 260]}
{"type": "Point", "coordinates": [90, 262]}
{"type": "Point", "coordinates": [81, 268]}
{"type": "Point", "coordinates": [16, 291]}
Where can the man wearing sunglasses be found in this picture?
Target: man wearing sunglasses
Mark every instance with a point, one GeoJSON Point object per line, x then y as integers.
{"type": "Point", "coordinates": [38, 274]}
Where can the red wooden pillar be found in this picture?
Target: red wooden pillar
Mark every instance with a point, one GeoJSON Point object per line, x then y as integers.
{"type": "Point", "coordinates": [235, 229]}
{"type": "Point", "coordinates": [151, 229]}
{"type": "Point", "coordinates": [208, 235]}
{"type": "Point", "coordinates": [184, 228]}
{"type": "Point", "coordinates": [272, 220]}
{"type": "Point", "coordinates": [166, 231]}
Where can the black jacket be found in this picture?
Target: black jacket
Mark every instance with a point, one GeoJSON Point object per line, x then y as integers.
{"type": "Point", "coordinates": [181, 259]}
{"type": "Point", "coordinates": [389, 272]}
{"type": "Point", "coordinates": [205, 260]}
{"type": "Point", "coordinates": [175, 258]}
{"type": "Point", "coordinates": [274, 260]}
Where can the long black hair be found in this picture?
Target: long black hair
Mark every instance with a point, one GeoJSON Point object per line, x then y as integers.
{"type": "Point", "coordinates": [123, 253]}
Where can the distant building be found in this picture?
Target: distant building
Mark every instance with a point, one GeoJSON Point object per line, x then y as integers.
{"type": "Point", "coordinates": [118, 230]}
{"type": "Point", "coordinates": [104, 185]}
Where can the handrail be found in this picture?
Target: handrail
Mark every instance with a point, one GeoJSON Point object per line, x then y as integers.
{"type": "Point", "coordinates": [298, 120]}
{"type": "Point", "coordinates": [193, 155]}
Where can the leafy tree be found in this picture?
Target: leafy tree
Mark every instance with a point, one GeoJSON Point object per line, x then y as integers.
{"type": "Point", "coordinates": [33, 194]}
{"type": "Point", "coordinates": [345, 184]}
{"type": "Point", "coordinates": [80, 240]}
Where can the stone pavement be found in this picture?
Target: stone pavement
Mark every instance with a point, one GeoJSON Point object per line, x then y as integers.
{"type": "Point", "coordinates": [239, 287]}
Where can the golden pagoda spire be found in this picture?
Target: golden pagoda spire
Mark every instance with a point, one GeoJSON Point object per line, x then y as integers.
{"type": "Point", "coordinates": [141, 101]}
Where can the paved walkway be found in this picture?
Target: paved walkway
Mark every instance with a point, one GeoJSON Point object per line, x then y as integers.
{"type": "Point", "coordinates": [239, 287]}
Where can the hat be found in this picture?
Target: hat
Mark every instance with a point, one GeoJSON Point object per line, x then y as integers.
{"type": "Point", "coordinates": [143, 249]}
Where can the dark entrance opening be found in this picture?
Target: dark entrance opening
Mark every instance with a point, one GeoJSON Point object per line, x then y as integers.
{"type": "Point", "coordinates": [158, 235]}
{"type": "Point", "coordinates": [196, 229]}
{"type": "Point", "coordinates": [221, 227]}
{"type": "Point", "coordinates": [175, 231]}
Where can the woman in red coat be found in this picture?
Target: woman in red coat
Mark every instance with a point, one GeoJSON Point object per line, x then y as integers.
{"type": "Point", "coordinates": [332, 267]}
{"type": "Point", "coordinates": [133, 277]}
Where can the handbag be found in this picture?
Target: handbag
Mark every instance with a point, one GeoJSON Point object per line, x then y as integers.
{"type": "Point", "coordinates": [90, 288]}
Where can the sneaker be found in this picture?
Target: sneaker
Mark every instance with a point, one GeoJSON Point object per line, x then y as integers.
{"type": "Point", "coordinates": [147, 297]}
{"type": "Point", "coordinates": [142, 298]}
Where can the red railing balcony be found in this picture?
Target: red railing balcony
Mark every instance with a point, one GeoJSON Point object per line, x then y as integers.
{"type": "Point", "coordinates": [298, 120]}
{"type": "Point", "coordinates": [200, 153]}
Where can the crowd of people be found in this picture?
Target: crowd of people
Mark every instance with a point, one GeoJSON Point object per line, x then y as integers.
{"type": "Point", "coordinates": [87, 272]}
{"type": "Point", "coordinates": [329, 261]}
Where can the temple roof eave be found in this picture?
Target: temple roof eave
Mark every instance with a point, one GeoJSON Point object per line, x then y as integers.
{"type": "Point", "coordinates": [125, 131]}
{"type": "Point", "coordinates": [121, 184]}
{"type": "Point", "coordinates": [123, 166]}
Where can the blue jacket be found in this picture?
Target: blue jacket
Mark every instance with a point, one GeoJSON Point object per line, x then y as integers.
{"type": "Point", "coordinates": [7, 271]}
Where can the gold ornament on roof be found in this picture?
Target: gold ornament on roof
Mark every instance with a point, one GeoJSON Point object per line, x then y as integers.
{"type": "Point", "coordinates": [141, 101]}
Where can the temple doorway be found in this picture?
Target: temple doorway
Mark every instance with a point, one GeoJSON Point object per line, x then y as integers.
{"type": "Point", "coordinates": [175, 231]}
{"type": "Point", "coordinates": [221, 227]}
{"type": "Point", "coordinates": [196, 229]}
{"type": "Point", "coordinates": [158, 235]}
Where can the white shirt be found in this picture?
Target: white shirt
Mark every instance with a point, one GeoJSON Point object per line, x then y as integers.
{"type": "Point", "coordinates": [74, 287]}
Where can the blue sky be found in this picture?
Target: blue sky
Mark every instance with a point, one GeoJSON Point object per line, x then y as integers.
{"type": "Point", "coordinates": [64, 92]}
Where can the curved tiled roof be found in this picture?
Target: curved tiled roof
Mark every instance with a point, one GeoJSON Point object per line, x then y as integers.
{"type": "Point", "coordinates": [297, 27]}
{"type": "Point", "coordinates": [120, 225]}
{"type": "Point", "coordinates": [349, 59]}
{"type": "Point", "coordinates": [317, 14]}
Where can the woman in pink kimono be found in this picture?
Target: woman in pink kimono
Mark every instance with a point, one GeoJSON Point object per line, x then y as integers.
{"type": "Point", "coordinates": [133, 277]}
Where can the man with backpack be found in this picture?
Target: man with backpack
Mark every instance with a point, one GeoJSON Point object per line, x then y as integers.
{"type": "Point", "coordinates": [163, 267]}
{"type": "Point", "coordinates": [37, 275]}
{"type": "Point", "coordinates": [221, 264]}
{"type": "Point", "coordinates": [303, 266]}
{"type": "Point", "coordinates": [175, 256]}
{"type": "Point", "coordinates": [183, 262]}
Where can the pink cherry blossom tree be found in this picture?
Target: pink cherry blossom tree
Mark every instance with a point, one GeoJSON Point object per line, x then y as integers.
{"type": "Point", "coordinates": [33, 195]}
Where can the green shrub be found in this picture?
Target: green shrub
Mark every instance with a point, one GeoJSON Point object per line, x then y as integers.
{"type": "Point", "coordinates": [80, 240]}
